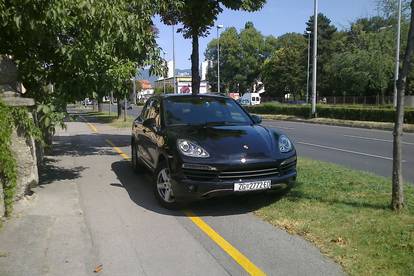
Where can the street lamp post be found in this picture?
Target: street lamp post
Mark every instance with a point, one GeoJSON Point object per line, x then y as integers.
{"type": "Point", "coordinates": [307, 72]}
{"type": "Point", "coordinates": [134, 90]}
{"type": "Point", "coordinates": [218, 58]}
{"type": "Point", "coordinates": [315, 57]}
{"type": "Point", "coordinates": [163, 77]}
{"type": "Point", "coordinates": [173, 39]}
{"type": "Point", "coordinates": [397, 53]}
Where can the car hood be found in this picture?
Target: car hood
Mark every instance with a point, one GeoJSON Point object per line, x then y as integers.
{"type": "Point", "coordinates": [229, 142]}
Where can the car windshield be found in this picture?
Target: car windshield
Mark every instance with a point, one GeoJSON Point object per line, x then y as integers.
{"type": "Point", "coordinates": [204, 111]}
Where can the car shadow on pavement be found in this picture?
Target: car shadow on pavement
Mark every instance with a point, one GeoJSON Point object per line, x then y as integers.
{"type": "Point", "coordinates": [140, 190]}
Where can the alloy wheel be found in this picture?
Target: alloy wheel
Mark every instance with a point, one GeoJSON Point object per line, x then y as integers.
{"type": "Point", "coordinates": [164, 186]}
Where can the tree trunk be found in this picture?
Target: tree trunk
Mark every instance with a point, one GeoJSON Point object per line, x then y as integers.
{"type": "Point", "coordinates": [99, 104]}
{"type": "Point", "coordinates": [125, 108]}
{"type": "Point", "coordinates": [397, 202]}
{"type": "Point", "coordinates": [119, 109]}
{"type": "Point", "coordinates": [195, 74]}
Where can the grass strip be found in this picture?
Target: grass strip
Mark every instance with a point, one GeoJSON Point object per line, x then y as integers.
{"type": "Point", "coordinates": [346, 214]}
{"type": "Point", "coordinates": [111, 119]}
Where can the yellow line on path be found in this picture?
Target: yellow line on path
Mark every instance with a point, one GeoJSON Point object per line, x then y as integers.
{"type": "Point", "coordinates": [242, 260]}
{"type": "Point", "coordinates": [118, 150]}
{"type": "Point", "coordinates": [91, 126]}
{"type": "Point", "coordinates": [94, 129]}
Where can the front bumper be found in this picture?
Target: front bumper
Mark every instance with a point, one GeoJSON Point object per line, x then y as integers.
{"type": "Point", "coordinates": [186, 189]}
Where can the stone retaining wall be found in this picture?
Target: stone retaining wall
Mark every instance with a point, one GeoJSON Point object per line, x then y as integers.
{"type": "Point", "coordinates": [25, 154]}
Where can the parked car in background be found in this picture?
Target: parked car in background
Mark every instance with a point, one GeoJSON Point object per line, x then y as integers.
{"type": "Point", "coordinates": [87, 101]}
{"type": "Point", "coordinates": [202, 146]}
{"type": "Point", "coordinates": [250, 99]}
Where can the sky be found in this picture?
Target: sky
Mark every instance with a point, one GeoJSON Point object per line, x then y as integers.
{"type": "Point", "coordinates": [276, 18]}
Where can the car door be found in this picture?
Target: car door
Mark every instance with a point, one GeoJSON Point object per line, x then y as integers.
{"type": "Point", "coordinates": [152, 133]}
{"type": "Point", "coordinates": [140, 134]}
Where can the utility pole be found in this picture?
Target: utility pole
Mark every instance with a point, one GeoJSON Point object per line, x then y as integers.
{"type": "Point", "coordinates": [315, 57]}
{"type": "Point", "coordinates": [163, 77]}
{"type": "Point", "coordinates": [397, 53]}
{"type": "Point", "coordinates": [218, 58]}
{"type": "Point", "coordinates": [134, 90]}
{"type": "Point", "coordinates": [173, 40]}
{"type": "Point", "coordinates": [307, 72]}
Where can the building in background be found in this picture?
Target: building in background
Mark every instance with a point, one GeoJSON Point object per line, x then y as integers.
{"type": "Point", "coordinates": [146, 90]}
{"type": "Point", "coordinates": [203, 69]}
{"type": "Point", "coordinates": [183, 79]}
{"type": "Point", "coordinates": [183, 84]}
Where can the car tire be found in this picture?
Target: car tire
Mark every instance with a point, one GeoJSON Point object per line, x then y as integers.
{"type": "Point", "coordinates": [162, 187]}
{"type": "Point", "coordinates": [135, 162]}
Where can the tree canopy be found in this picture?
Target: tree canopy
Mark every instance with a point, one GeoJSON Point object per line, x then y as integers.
{"type": "Point", "coordinates": [80, 46]}
{"type": "Point", "coordinates": [197, 17]}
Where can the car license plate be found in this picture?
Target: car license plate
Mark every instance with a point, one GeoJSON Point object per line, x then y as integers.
{"type": "Point", "coordinates": [252, 186]}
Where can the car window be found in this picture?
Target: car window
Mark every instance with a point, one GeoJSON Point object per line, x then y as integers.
{"type": "Point", "coordinates": [144, 112]}
{"type": "Point", "coordinates": [204, 110]}
{"type": "Point", "coordinates": [153, 111]}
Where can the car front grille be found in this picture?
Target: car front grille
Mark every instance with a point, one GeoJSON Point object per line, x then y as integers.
{"type": "Point", "coordinates": [231, 175]}
{"type": "Point", "coordinates": [287, 167]}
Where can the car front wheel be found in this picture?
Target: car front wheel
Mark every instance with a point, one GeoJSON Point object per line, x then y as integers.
{"type": "Point", "coordinates": [162, 187]}
{"type": "Point", "coordinates": [136, 165]}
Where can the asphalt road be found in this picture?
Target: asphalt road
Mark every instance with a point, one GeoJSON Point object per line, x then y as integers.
{"type": "Point", "coordinates": [356, 148]}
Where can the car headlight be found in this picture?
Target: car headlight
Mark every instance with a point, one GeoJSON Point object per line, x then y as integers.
{"type": "Point", "coordinates": [189, 148]}
{"type": "Point", "coordinates": [284, 144]}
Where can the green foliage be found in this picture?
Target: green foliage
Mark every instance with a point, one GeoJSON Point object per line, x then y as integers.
{"type": "Point", "coordinates": [346, 214]}
{"type": "Point", "coordinates": [241, 57]}
{"type": "Point", "coordinates": [12, 117]}
{"type": "Point", "coordinates": [81, 46]}
{"type": "Point", "coordinates": [285, 71]}
{"type": "Point", "coordinates": [8, 171]}
{"type": "Point", "coordinates": [343, 113]}
{"type": "Point", "coordinates": [160, 90]}
{"type": "Point", "coordinates": [197, 17]}
{"type": "Point", "coordinates": [326, 33]}
{"type": "Point", "coordinates": [49, 119]}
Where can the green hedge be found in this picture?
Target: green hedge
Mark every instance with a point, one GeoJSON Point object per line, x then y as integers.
{"type": "Point", "coordinates": [343, 113]}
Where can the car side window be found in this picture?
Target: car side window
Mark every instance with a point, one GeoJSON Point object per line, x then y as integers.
{"type": "Point", "coordinates": [144, 112]}
{"type": "Point", "coordinates": [154, 112]}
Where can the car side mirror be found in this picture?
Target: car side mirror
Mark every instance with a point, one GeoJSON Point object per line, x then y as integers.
{"type": "Point", "coordinates": [256, 119]}
{"type": "Point", "coordinates": [149, 123]}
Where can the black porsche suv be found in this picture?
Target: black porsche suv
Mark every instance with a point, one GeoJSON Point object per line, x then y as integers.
{"type": "Point", "coordinates": [201, 146]}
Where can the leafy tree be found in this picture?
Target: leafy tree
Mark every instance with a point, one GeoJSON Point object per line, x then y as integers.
{"type": "Point", "coordinates": [197, 18]}
{"type": "Point", "coordinates": [326, 33]}
{"type": "Point", "coordinates": [397, 201]}
{"type": "Point", "coordinates": [285, 71]}
{"type": "Point", "coordinates": [241, 58]}
{"type": "Point", "coordinates": [389, 9]}
{"type": "Point", "coordinates": [230, 56]}
{"type": "Point", "coordinates": [81, 46]}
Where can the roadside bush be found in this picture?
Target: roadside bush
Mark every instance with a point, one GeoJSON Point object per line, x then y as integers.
{"type": "Point", "coordinates": [343, 113]}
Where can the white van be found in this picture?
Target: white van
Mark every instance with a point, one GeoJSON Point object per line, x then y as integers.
{"type": "Point", "coordinates": [250, 99]}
